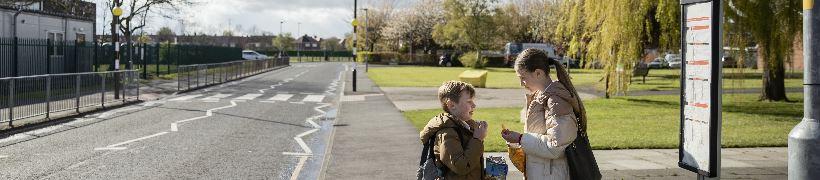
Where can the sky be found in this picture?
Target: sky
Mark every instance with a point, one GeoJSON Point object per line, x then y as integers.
{"type": "Point", "coordinates": [322, 18]}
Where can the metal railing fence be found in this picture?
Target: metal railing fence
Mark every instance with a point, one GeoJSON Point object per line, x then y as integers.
{"type": "Point", "coordinates": [191, 77]}
{"type": "Point", "coordinates": [41, 95]}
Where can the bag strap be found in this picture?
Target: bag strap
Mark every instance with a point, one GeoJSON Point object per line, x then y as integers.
{"type": "Point", "coordinates": [428, 150]}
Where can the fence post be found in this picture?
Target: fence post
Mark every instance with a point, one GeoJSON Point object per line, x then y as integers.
{"type": "Point", "coordinates": [77, 92]}
{"type": "Point", "coordinates": [49, 49]}
{"type": "Point", "coordinates": [96, 55]}
{"type": "Point", "coordinates": [129, 79]}
{"type": "Point", "coordinates": [102, 90]}
{"type": "Point", "coordinates": [156, 61]}
{"type": "Point", "coordinates": [77, 56]}
{"type": "Point", "coordinates": [168, 60]}
{"type": "Point", "coordinates": [14, 60]}
{"type": "Point", "coordinates": [144, 62]}
{"type": "Point", "coordinates": [11, 100]}
{"type": "Point", "coordinates": [197, 75]}
{"type": "Point", "coordinates": [48, 96]}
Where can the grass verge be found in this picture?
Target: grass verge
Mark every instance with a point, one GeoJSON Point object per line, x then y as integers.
{"type": "Point", "coordinates": [654, 121]}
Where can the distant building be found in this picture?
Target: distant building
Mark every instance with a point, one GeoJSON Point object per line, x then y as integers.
{"type": "Point", "coordinates": [263, 42]}
{"type": "Point", "coordinates": [62, 20]}
{"type": "Point", "coordinates": [307, 43]}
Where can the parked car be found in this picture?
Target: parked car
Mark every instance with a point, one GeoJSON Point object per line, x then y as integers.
{"type": "Point", "coordinates": [511, 50]}
{"type": "Point", "coordinates": [674, 60]}
{"type": "Point", "coordinates": [658, 63]}
{"type": "Point", "coordinates": [253, 55]}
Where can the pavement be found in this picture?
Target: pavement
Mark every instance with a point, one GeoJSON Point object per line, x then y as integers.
{"type": "Point", "coordinates": [373, 140]}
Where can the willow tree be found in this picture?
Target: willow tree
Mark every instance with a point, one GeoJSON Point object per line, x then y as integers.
{"type": "Point", "coordinates": [771, 25]}
{"type": "Point", "coordinates": [610, 34]}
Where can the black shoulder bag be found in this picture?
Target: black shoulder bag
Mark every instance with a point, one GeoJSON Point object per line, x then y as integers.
{"type": "Point", "coordinates": [582, 164]}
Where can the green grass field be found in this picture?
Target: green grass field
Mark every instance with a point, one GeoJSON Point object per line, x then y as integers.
{"type": "Point", "coordinates": [657, 80]}
{"type": "Point", "coordinates": [653, 121]}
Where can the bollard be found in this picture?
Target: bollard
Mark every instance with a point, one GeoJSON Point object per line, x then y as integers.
{"type": "Point", "coordinates": [354, 79]}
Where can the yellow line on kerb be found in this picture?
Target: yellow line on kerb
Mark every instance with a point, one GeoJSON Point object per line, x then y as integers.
{"type": "Point", "coordinates": [808, 4]}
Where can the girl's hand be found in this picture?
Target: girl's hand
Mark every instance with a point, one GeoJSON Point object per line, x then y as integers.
{"type": "Point", "coordinates": [511, 136]}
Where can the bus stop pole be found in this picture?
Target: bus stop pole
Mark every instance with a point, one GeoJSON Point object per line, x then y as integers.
{"type": "Point", "coordinates": [804, 139]}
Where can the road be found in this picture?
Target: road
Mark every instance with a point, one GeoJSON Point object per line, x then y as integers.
{"type": "Point", "coordinates": [275, 125]}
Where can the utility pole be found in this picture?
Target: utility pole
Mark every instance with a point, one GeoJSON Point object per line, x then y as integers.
{"type": "Point", "coordinates": [366, 57]}
{"type": "Point", "coordinates": [804, 139]}
{"type": "Point", "coordinates": [299, 32]}
{"type": "Point", "coordinates": [281, 49]}
{"type": "Point", "coordinates": [355, 25]}
{"type": "Point", "coordinates": [115, 42]}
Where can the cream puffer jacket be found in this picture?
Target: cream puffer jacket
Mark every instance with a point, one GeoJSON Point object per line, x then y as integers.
{"type": "Point", "coordinates": [550, 126]}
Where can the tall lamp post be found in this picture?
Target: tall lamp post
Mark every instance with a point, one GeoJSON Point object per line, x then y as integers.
{"type": "Point", "coordinates": [117, 12]}
{"type": "Point", "coordinates": [281, 49]}
{"type": "Point", "coordinates": [299, 32]}
{"type": "Point", "coordinates": [366, 57]}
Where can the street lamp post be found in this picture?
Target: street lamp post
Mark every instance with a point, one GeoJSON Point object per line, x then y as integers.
{"type": "Point", "coordinates": [366, 57]}
{"type": "Point", "coordinates": [281, 49]}
{"type": "Point", "coordinates": [299, 32]}
{"type": "Point", "coordinates": [117, 11]}
{"type": "Point", "coordinates": [804, 139]}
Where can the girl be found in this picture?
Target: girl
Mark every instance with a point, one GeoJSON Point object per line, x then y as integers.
{"type": "Point", "coordinates": [552, 116]}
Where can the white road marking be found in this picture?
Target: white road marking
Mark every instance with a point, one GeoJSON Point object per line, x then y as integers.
{"type": "Point", "coordinates": [295, 175]}
{"type": "Point", "coordinates": [185, 98]}
{"type": "Point", "coordinates": [110, 148]}
{"type": "Point", "coordinates": [115, 146]}
{"type": "Point", "coordinates": [281, 97]}
{"type": "Point", "coordinates": [314, 98]}
{"type": "Point", "coordinates": [2, 156]}
{"type": "Point", "coordinates": [208, 113]}
{"type": "Point", "coordinates": [298, 138]}
{"type": "Point", "coordinates": [248, 97]}
{"type": "Point", "coordinates": [216, 97]}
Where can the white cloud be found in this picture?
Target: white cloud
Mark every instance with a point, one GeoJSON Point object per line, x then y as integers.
{"type": "Point", "coordinates": [323, 18]}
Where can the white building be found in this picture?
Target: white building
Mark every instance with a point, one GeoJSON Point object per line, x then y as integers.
{"type": "Point", "coordinates": [56, 20]}
{"type": "Point", "coordinates": [39, 21]}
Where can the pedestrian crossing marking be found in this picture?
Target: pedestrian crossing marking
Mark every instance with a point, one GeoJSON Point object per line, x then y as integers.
{"type": "Point", "coordinates": [216, 97]}
{"type": "Point", "coordinates": [185, 98]}
{"type": "Point", "coordinates": [314, 98]}
{"type": "Point", "coordinates": [281, 97]}
{"type": "Point", "coordinates": [248, 97]}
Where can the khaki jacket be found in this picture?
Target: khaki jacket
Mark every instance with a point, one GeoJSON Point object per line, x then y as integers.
{"type": "Point", "coordinates": [462, 156]}
{"type": "Point", "coordinates": [550, 126]}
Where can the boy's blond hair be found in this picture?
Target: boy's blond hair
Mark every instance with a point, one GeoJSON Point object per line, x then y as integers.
{"type": "Point", "coordinates": [451, 90]}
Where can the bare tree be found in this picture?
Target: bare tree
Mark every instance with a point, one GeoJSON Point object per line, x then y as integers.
{"type": "Point", "coordinates": [138, 13]}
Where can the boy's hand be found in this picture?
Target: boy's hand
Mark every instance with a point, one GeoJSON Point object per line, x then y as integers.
{"type": "Point", "coordinates": [481, 131]}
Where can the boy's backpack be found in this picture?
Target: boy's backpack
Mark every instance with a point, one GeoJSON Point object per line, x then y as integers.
{"type": "Point", "coordinates": [428, 170]}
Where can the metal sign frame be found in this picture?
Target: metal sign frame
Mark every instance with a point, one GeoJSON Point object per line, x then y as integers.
{"type": "Point", "coordinates": [715, 89]}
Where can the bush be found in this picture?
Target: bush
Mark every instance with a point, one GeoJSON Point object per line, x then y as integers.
{"type": "Point", "coordinates": [470, 59]}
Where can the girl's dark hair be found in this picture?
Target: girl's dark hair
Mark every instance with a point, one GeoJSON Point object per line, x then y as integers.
{"type": "Point", "coordinates": [533, 59]}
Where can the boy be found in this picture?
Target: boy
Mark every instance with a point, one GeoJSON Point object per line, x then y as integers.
{"type": "Point", "coordinates": [459, 140]}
